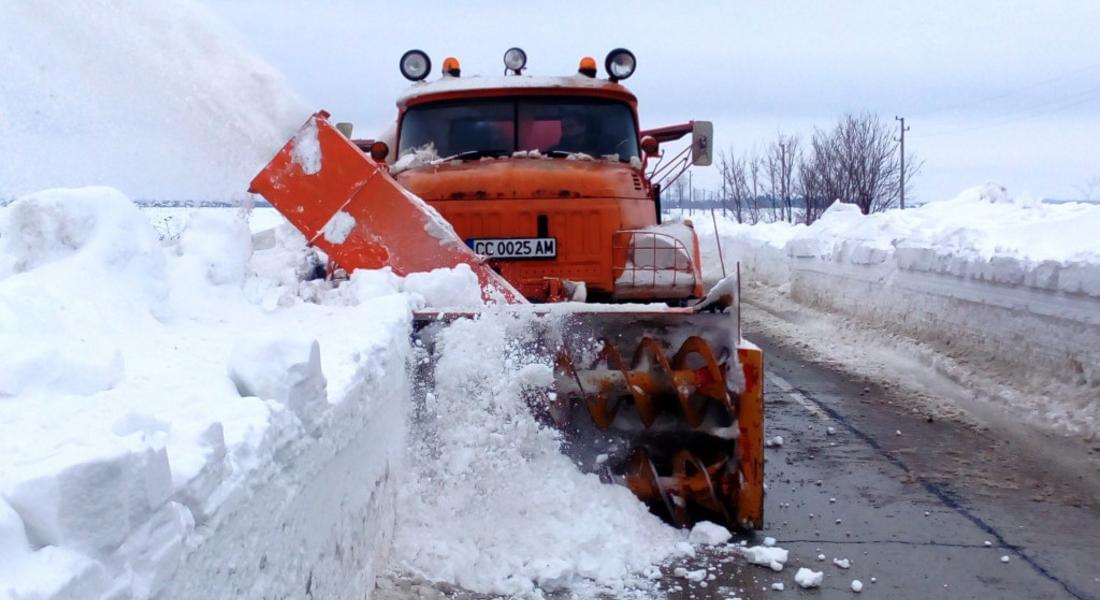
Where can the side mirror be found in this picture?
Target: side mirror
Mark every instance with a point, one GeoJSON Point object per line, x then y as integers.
{"type": "Point", "coordinates": [345, 128]}
{"type": "Point", "coordinates": [702, 145]}
{"type": "Point", "coordinates": [649, 145]}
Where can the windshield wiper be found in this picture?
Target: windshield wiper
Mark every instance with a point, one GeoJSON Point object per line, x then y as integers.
{"type": "Point", "coordinates": [472, 154]}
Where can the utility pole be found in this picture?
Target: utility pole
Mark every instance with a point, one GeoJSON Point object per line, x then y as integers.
{"type": "Point", "coordinates": [901, 139]}
{"type": "Point", "coordinates": [691, 195]}
{"type": "Point", "coordinates": [783, 179]}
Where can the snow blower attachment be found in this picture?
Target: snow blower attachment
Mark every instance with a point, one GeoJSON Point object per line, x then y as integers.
{"type": "Point", "coordinates": [663, 397]}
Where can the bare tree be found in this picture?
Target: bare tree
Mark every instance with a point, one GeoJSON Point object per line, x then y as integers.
{"type": "Point", "coordinates": [753, 167]}
{"type": "Point", "coordinates": [735, 184]}
{"type": "Point", "coordinates": [857, 162]}
{"type": "Point", "coordinates": [780, 161]}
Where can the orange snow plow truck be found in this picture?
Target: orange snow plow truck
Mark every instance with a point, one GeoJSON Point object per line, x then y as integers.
{"type": "Point", "coordinates": [548, 190]}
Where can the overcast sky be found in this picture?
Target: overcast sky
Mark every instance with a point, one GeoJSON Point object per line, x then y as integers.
{"type": "Point", "coordinates": [993, 90]}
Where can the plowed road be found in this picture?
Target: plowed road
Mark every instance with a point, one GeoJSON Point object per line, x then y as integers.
{"type": "Point", "coordinates": [926, 506]}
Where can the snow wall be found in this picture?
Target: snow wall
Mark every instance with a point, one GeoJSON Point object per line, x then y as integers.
{"type": "Point", "coordinates": [1011, 285]}
{"type": "Point", "coordinates": [191, 420]}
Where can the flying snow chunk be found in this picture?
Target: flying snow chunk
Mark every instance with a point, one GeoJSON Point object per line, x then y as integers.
{"type": "Point", "coordinates": [338, 227]}
{"type": "Point", "coordinates": [769, 541]}
{"type": "Point", "coordinates": [306, 149]}
{"type": "Point", "coordinates": [778, 586]}
{"type": "Point", "coordinates": [808, 578]}
{"type": "Point", "coordinates": [709, 534]}
{"type": "Point", "coordinates": [775, 442]}
{"type": "Point", "coordinates": [857, 586]}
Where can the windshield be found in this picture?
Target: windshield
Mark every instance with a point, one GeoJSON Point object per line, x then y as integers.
{"type": "Point", "coordinates": [499, 127]}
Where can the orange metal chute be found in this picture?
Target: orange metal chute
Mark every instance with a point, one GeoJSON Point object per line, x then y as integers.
{"type": "Point", "coordinates": [391, 226]}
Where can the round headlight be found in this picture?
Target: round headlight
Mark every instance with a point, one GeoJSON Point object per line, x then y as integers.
{"type": "Point", "coordinates": [620, 64]}
{"type": "Point", "coordinates": [515, 59]}
{"type": "Point", "coordinates": [415, 65]}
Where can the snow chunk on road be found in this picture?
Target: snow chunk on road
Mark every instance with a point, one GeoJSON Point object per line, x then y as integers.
{"type": "Point", "coordinates": [709, 534]}
{"type": "Point", "coordinates": [338, 227]}
{"type": "Point", "coordinates": [765, 556]}
{"type": "Point", "coordinates": [775, 442]}
{"type": "Point", "coordinates": [778, 586]}
{"type": "Point", "coordinates": [695, 576]}
{"type": "Point", "coordinates": [808, 578]}
{"type": "Point", "coordinates": [857, 586]}
{"type": "Point", "coordinates": [843, 563]}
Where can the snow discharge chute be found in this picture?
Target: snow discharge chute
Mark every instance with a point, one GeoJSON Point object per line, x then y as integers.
{"type": "Point", "coordinates": [665, 400]}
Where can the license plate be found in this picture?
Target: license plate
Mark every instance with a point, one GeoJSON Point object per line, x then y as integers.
{"type": "Point", "coordinates": [515, 247]}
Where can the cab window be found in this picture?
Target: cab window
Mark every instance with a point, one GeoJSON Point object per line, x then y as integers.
{"type": "Point", "coordinates": [497, 127]}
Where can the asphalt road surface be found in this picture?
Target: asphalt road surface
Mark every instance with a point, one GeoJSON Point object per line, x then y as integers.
{"type": "Point", "coordinates": [923, 507]}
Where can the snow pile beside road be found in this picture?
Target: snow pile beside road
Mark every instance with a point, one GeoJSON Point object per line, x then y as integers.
{"type": "Point", "coordinates": [493, 505]}
{"type": "Point", "coordinates": [1009, 285]}
{"type": "Point", "coordinates": [158, 98]}
{"type": "Point", "coordinates": [192, 420]}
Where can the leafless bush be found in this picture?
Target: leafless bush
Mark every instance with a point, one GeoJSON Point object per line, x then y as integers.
{"type": "Point", "coordinates": [779, 163]}
{"type": "Point", "coordinates": [857, 162]}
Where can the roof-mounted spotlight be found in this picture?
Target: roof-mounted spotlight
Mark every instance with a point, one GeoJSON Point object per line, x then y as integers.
{"type": "Point", "coordinates": [515, 59]}
{"type": "Point", "coordinates": [451, 68]}
{"type": "Point", "coordinates": [415, 65]}
{"type": "Point", "coordinates": [587, 67]}
{"type": "Point", "coordinates": [620, 64]}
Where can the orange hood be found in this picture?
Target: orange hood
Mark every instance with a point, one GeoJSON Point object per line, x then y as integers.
{"type": "Point", "coordinates": [515, 178]}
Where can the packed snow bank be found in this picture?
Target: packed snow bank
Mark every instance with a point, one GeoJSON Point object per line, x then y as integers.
{"type": "Point", "coordinates": [157, 98]}
{"type": "Point", "coordinates": [192, 420]}
{"type": "Point", "coordinates": [492, 505]}
{"type": "Point", "coordinates": [1010, 284]}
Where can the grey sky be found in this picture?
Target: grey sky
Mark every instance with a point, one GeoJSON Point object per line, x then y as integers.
{"type": "Point", "coordinates": [1001, 91]}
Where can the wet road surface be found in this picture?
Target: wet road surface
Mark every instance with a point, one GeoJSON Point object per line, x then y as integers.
{"type": "Point", "coordinates": [927, 507]}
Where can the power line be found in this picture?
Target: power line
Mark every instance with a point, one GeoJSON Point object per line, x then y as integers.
{"type": "Point", "coordinates": [1007, 93]}
{"type": "Point", "coordinates": [1039, 110]}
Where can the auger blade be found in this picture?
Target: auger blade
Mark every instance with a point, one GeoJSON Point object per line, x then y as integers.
{"type": "Point", "coordinates": [671, 402]}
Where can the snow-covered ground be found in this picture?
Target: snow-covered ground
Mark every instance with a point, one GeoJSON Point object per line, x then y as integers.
{"type": "Point", "coordinates": [1007, 286]}
{"type": "Point", "coordinates": [174, 409]}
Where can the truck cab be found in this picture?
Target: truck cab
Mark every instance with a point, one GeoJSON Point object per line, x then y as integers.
{"type": "Point", "coordinates": [546, 178]}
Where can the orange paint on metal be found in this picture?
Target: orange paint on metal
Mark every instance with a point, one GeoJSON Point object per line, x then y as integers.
{"type": "Point", "coordinates": [389, 228]}
{"type": "Point", "coordinates": [584, 203]}
{"type": "Point", "coordinates": [750, 443]}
